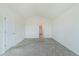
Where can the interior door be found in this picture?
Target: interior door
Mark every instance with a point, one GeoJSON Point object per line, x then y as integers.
{"type": "Point", "coordinates": [9, 32]}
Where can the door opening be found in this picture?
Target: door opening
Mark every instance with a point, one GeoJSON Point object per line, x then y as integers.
{"type": "Point", "coordinates": [41, 30]}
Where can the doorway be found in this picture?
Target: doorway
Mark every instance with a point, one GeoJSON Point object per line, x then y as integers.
{"type": "Point", "coordinates": [41, 29]}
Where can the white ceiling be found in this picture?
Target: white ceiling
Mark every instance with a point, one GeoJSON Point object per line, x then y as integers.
{"type": "Point", "coordinates": [49, 10]}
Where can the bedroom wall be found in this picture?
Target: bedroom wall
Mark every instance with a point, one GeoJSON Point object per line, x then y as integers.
{"type": "Point", "coordinates": [32, 27]}
{"type": "Point", "coordinates": [65, 29]}
{"type": "Point", "coordinates": [18, 28]}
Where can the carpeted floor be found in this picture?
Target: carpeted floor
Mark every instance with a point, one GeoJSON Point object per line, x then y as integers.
{"type": "Point", "coordinates": [33, 47]}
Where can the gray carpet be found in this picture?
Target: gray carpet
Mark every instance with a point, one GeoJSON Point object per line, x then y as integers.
{"type": "Point", "coordinates": [33, 47]}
